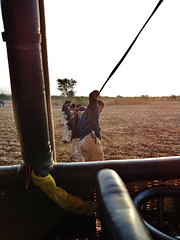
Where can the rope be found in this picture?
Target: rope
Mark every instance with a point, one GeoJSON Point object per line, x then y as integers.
{"type": "Point", "coordinates": [127, 51]}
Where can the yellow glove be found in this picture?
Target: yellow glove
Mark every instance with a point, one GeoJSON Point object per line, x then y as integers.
{"type": "Point", "coordinates": [66, 201]}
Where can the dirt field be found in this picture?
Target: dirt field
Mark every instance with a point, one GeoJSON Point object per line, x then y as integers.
{"type": "Point", "coordinates": [128, 132]}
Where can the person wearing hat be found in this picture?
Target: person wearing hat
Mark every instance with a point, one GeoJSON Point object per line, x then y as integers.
{"type": "Point", "coordinates": [90, 132]}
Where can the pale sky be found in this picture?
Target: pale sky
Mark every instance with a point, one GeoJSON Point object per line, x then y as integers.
{"type": "Point", "coordinates": [87, 38]}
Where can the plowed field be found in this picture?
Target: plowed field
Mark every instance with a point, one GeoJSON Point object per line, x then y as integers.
{"type": "Point", "coordinates": [129, 131]}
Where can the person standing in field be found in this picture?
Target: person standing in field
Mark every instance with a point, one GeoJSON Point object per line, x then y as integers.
{"type": "Point", "coordinates": [63, 112]}
{"type": "Point", "coordinates": [75, 135]}
{"type": "Point", "coordinates": [71, 111]}
{"type": "Point", "coordinates": [90, 133]}
{"type": "Point", "coordinates": [66, 131]}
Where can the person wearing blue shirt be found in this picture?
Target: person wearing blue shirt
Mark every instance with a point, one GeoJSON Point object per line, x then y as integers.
{"type": "Point", "coordinates": [90, 132]}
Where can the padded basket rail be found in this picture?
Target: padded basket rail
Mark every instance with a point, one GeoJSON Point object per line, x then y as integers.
{"type": "Point", "coordinates": [120, 219]}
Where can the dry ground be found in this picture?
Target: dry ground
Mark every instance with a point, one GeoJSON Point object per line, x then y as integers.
{"type": "Point", "coordinates": [129, 131]}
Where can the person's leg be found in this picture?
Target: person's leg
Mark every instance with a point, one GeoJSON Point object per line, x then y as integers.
{"type": "Point", "coordinates": [74, 148]}
{"type": "Point", "coordinates": [66, 132]}
{"type": "Point", "coordinates": [80, 155]}
{"type": "Point", "coordinates": [91, 148]}
{"type": "Point", "coordinates": [63, 118]}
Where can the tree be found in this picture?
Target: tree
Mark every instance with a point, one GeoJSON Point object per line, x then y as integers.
{"type": "Point", "coordinates": [66, 87]}
{"type": "Point", "coordinates": [145, 97]}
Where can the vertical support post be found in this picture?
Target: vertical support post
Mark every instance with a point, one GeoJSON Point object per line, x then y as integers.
{"type": "Point", "coordinates": [23, 39]}
{"type": "Point", "coordinates": [46, 76]}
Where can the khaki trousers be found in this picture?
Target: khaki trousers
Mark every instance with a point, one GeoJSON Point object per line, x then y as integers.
{"type": "Point", "coordinates": [67, 132]}
{"type": "Point", "coordinates": [76, 151]}
{"type": "Point", "coordinates": [91, 148]}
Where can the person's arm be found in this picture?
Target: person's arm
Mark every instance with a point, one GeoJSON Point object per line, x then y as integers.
{"type": "Point", "coordinates": [93, 98]}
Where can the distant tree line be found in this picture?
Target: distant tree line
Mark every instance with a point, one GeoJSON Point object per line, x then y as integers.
{"type": "Point", "coordinates": [64, 96]}
{"type": "Point", "coordinates": [5, 96]}
{"type": "Point", "coordinates": [147, 97]}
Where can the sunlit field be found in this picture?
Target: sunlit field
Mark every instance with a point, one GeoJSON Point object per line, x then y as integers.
{"type": "Point", "coordinates": [130, 129]}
